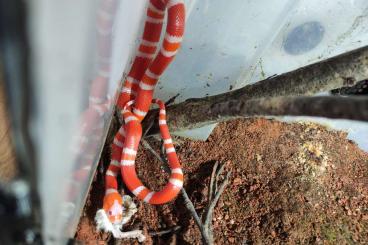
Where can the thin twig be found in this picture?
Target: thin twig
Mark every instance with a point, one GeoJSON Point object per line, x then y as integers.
{"type": "Point", "coordinates": [161, 159]}
{"type": "Point", "coordinates": [189, 205]}
{"type": "Point", "coordinates": [171, 100]}
{"type": "Point", "coordinates": [212, 180]}
{"type": "Point", "coordinates": [214, 201]}
{"type": "Point", "coordinates": [162, 152]}
{"type": "Point", "coordinates": [164, 232]}
{"type": "Point", "coordinates": [219, 172]}
{"type": "Point", "coordinates": [150, 125]}
{"type": "Point", "coordinates": [148, 147]}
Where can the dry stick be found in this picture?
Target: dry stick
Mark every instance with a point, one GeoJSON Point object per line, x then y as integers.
{"type": "Point", "coordinates": [353, 108]}
{"type": "Point", "coordinates": [326, 75]}
{"type": "Point", "coordinates": [216, 198]}
{"type": "Point", "coordinates": [219, 172]}
{"type": "Point", "coordinates": [214, 180]}
{"type": "Point", "coordinates": [212, 188]}
{"type": "Point", "coordinates": [189, 205]}
{"type": "Point", "coordinates": [164, 232]}
{"type": "Point", "coordinates": [172, 100]}
{"type": "Point", "coordinates": [148, 147]}
{"type": "Point", "coordinates": [323, 76]}
{"type": "Point", "coordinates": [148, 128]}
{"type": "Point", "coordinates": [213, 201]}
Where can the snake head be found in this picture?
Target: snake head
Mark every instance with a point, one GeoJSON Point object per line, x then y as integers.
{"type": "Point", "coordinates": [113, 206]}
{"type": "Point", "coordinates": [116, 212]}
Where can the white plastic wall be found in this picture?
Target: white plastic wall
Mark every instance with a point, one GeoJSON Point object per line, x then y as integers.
{"type": "Point", "coordinates": [227, 44]}
{"type": "Point", "coordinates": [60, 33]}
{"type": "Point", "coordinates": [65, 58]}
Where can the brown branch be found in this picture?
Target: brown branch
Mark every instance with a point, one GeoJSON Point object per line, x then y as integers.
{"type": "Point", "coordinates": [323, 106]}
{"type": "Point", "coordinates": [323, 76]}
{"type": "Point", "coordinates": [330, 74]}
{"type": "Point", "coordinates": [354, 108]}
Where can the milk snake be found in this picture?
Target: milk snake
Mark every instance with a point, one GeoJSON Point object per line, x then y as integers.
{"type": "Point", "coordinates": [134, 102]}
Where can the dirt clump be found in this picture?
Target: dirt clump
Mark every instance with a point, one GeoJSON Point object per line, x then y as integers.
{"type": "Point", "coordinates": [290, 183]}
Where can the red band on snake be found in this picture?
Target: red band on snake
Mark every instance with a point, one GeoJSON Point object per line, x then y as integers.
{"type": "Point", "coordinates": [135, 100]}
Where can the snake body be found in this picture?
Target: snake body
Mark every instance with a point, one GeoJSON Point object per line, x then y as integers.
{"type": "Point", "coordinates": [134, 101]}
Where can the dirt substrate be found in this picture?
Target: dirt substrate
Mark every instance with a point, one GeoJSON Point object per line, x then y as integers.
{"type": "Point", "coordinates": [290, 183]}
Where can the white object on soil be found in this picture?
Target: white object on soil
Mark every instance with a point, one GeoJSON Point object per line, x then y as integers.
{"type": "Point", "coordinates": [129, 209]}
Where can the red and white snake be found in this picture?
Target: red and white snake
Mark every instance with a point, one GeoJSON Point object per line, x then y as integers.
{"type": "Point", "coordinates": [134, 101]}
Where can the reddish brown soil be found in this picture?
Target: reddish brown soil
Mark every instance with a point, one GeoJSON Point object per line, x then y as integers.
{"type": "Point", "coordinates": [290, 183]}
